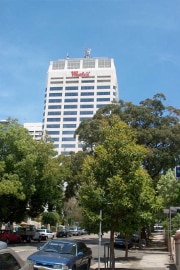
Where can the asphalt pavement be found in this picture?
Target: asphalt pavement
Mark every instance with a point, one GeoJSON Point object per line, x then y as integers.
{"type": "Point", "coordinates": [154, 256]}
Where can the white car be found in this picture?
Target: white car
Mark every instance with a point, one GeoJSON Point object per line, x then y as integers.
{"type": "Point", "coordinates": [9, 259]}
{"type": "Point", "coordinates": [74, 231]}
{"type": "Point", "coordinates": [43, 234]}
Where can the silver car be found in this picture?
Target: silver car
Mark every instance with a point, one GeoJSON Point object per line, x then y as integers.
{"type": "Point", "coordinates": [43, 234]}
{"type": "Point", "coordinates": [9, 259]}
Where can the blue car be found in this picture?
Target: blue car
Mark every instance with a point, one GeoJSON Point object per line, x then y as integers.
{"type": "Point", "coordinates": [62, 254]}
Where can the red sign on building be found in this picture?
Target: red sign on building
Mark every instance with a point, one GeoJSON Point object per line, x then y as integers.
{"type": "Point", "coordinates": [80, 74]}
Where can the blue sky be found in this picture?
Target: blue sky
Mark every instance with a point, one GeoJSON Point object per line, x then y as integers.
{"type": "Point", "coordinates": [143, 37]}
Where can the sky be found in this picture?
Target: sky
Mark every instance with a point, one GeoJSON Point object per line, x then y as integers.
{"type": "Point", "coordinates": [142, 36]}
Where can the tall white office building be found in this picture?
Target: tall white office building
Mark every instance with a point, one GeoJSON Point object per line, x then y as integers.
{"type": "Point", "coordinates": [76, 89]}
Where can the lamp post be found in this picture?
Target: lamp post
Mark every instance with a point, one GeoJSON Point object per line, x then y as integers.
{"type": "Point", "coordinates": [100, 235]}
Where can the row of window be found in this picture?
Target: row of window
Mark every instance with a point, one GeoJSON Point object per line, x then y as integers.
{"type": "Point", "coordinates": [68, 119]}
{"type": "Point", "coordinates": [56, 132]}
{"type": "Point", "coordinates": [66, 100]}
{"type": "Point", "coordinates": [82, 94]}
{"type": "Point", "coordinates": [55, 88]}
{"type": "Point", "coordinates": [49, 126]}
{"type": "Point", "coordinates": [77, 82]}
{"type": "Point", "coordinates": [65, 139]}
{"type": "Point", "coordinates": [73, 106]}
{"type": "Point", "coordinates": [64, 146]}
{"type": "Point", "coordinates": [69, 112]}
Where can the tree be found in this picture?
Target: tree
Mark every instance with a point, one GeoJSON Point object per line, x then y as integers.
{"type": "Point", "coordinates": [115, 182]}
{"type": "Point", "coordinates": [168, 189]}
{"type": "Point", "coordinates": [73, 179]}
{"type": "Point", "coordinates": [157, 127]}
{"type": "Point", "coordinates": [29, 174]}
{"type": "Point", "coordinates": [51, 218]}
{"type": "Point", "coordinates": [175, 223]}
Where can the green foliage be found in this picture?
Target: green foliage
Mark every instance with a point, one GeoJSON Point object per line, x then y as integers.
{"type": "Point", "coordinates": [51, 218]}
{"type": "Point", "coordinates": [168, 189]}
{"type": "Point", "coordinates": [175, 223]}
{"type": "Point", "coordinates": [71, 166]}
{"type": "Point", "coordinates": [29, 175]}
{"type": "Point", "coordinates": [157, 128]}
{"type": "Point", "coordinates": [114, 181]}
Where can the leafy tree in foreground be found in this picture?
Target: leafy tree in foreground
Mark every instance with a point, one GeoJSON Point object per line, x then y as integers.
{"type": "Point", "coordinates": [29, 174]}
{"type": "Point", "coordinates": [17, 159]}
{"type": "Point", "coordinates": [157, 127]}
{"type": "Point", "coordinates": [115, 182]}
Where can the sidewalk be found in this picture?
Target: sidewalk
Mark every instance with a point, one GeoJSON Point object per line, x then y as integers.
{"type": "Point", "coordinates": [154, 257]}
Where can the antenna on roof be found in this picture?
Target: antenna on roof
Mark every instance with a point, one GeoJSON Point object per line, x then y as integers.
{"type": "Point", "coordinates": [87, 53]}
{"type": "Point", "coordinates": [67, 56]}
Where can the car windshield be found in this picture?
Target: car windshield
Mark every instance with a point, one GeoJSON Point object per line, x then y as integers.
{"type": "Point", "coordinates": [60, 247]}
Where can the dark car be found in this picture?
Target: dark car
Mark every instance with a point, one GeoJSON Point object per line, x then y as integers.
{"type": "Point", "coordinates": [9, 236]}
{"type": "Point", "coordinates": [120, 243]}
{"type": "Point", "coordinates": [62, 254]}
{"type": "Point", "coordinates": [63, 233]}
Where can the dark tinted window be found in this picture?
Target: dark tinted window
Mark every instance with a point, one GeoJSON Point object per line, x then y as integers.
{"type": "Point", "coordinates": [8, 262]}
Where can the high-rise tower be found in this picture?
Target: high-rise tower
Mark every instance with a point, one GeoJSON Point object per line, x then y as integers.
{"type": "Point", "coordinates": [76, 89]}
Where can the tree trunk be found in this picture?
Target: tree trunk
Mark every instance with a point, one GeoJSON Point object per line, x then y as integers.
{"type": "Point", "coordinates": [112, 255]}
{"type": "Point", "coordinates": [126, 243]}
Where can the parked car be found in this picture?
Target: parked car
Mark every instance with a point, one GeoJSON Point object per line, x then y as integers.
{"type": "Point", "coordinates": [81, 231]}
{"type": "Point", "coordinates": [9, 236]}
{"type": "Point", "coordinates": [62, 254]}
{"type": "Point", "coordinates": [9, 259]}
{"type": "Point", "coordinates": [74, 231]}
{"type": "Point", "coordinates": [63, 233]}
{"type": "Point", "coordinates": [43, 234]}
{"type": "Point", "coordinates": [120, 243]}
{"type": "Point", "coordinates": [84, 231]}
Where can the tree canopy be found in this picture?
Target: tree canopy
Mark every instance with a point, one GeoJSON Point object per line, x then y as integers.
{"type": "Point", "coordinates": [115, 182]}
{"type": "Point", "coordinates": [157, 127]}
{"type": "Point", "coordinates": [29, 174]}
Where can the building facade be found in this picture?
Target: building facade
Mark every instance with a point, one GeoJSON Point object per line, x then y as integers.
{"type": "Point", "coordinates": [35, 130]}
{"type": "Point", "coordinates": [75, 90]}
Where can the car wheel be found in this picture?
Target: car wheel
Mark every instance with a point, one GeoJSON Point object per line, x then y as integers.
{"type": "Point", "coordinates": [19, 240]}
{"type": "Point", "coordinates": [39, 239]}
{"type": "Point", "coordinates": [7, 241]}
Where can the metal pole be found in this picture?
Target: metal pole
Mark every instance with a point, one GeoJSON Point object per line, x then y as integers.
{"type": "Point", "coordinates": [170, 233]}
{"type": "Point", "coordinates": [100, 233]}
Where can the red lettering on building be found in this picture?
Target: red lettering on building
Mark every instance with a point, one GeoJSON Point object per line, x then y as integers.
{"type": "Point", "coordinates": [80, 74]}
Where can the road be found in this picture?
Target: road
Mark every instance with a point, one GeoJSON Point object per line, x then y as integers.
{"type": "Point", "coordinates": [92, 241]}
